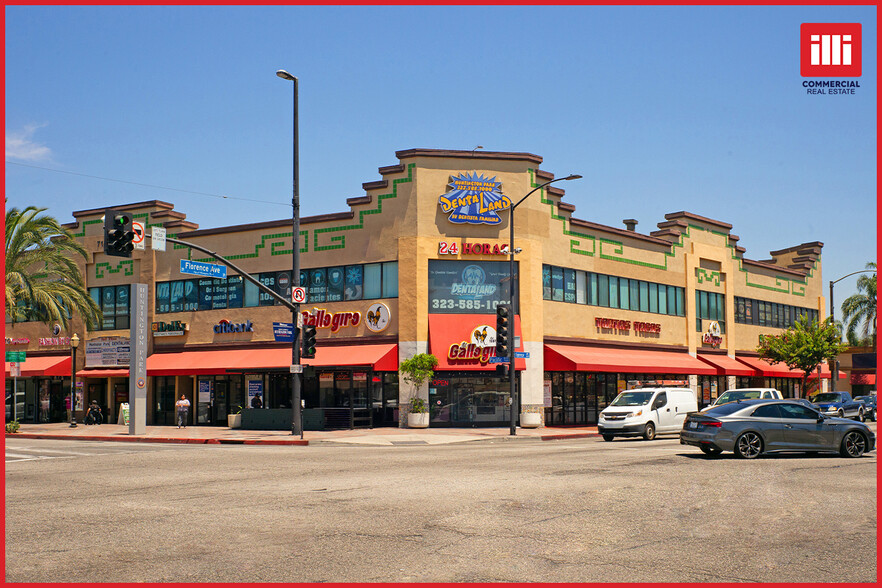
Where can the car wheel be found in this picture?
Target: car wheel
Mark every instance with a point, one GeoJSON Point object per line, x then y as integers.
{"type": "Point", "coordinates": [873, 415]}
{"type": "Point", "coordinates": [749, 445]}
{"type": "Point", "coordinates": [710, 450]}
{"type": "Point", "coordinates": [608, 437]}
{"type": "Point", "coordinates": [853, 445]}
{"type": "Point", "coordinates": [649, 431]}
{"type": "Point", "coordinates": [862, 417]}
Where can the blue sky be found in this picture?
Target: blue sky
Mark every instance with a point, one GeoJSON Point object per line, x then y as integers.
{"type": "Point", "coordinates": [661, 109]}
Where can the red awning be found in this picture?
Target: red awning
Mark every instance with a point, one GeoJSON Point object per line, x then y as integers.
{"type": "Point", "coordinates": [103, 373]}
{"type": "Point", "coordinates": [381, 357]}
{"type": "Point", "coordinates": [780, 370]}
{"type": "Point", "coordinates": [451, 334]}
{"type": "Point", "coordinates": [46, 365]}
{"type": "Point", "coordinates": [863, 379]}
{"type": "Point", "coordinates": [727, 366]}
{"type": "Point", "coordinates": [608, 359]}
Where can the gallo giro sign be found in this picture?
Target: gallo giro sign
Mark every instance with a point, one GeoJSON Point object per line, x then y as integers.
{"type": "Point", "coordinates": [474, 199]}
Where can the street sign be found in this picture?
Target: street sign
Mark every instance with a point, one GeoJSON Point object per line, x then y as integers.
{"type": "Point", "coordinates": [157, 240]}
{"type": "Point", "coordinates": [283, 332]}
{"type": "Point", "coordinates": [16, 356]}
{"type": "Point", "coordinates": [522, 354]}
{"type": "Point", "coordinates": [15, 369]}
{"type": "Point", "coordinates": [140, 236]}
{"type": "Point", "coordinates": [297, 369]}
{"type": "Point", "coordinates": [198, 268]}
{"type": "Point", "coordinates": [495, 359]}
{"type": "Point", "coordinates": [298, 295]}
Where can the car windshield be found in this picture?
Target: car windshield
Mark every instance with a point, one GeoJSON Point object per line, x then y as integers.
{"type": "Point", "coordinates": [632, 399]}
{"type": "Point", "coordinates": [864, 398]}
{"type": "Point", "coordinates": [732, 396]}
{"type": "Point", "coordinates": [827, 397]}
{"type": "Point", "coordinates": [722, 410]}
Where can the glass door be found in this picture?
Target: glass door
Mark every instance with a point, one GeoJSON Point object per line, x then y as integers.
{"type": "Point", "coordinates": [464, 409]}
{"type": "Point", "coordinates": [221, 392]}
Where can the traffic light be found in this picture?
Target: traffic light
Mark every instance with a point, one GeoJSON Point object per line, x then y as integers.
{"type": "Point", "coordinates": [308, 342]}
{"type": "Point", "coordinates": [118, 234]}
{"type": "Point", "coordinates": [502, 370]}
{"type": "Point", "coordinates": [503, 327]}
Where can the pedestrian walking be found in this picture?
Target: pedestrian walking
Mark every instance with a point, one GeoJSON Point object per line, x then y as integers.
{"type": "Point", "coordinates": [183, 406]}
{"type": "Point", "coordinates": [67, 406]}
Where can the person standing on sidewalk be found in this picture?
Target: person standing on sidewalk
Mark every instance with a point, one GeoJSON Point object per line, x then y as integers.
{"type": "Point", "coordinates": [183, 407]}
{"type": "Point", "coordinates": [67, 405]}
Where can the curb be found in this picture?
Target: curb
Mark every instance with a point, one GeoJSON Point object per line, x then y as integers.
{"type": "Point", "coordinates": [162, 439]}
{"type": "Point", "coordinates": [575, 436]}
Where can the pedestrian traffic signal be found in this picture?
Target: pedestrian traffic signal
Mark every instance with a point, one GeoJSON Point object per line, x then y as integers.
{"type": "Point", "coordinates": [503, 318]}
{"type": "Point", "coordinates": [502, 370]}
{"type": "Point", "coordinates": [118, 234]}
{"type": "Point", "coordinates": [308, 342]}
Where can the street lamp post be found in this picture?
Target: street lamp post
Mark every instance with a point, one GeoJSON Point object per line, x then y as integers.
{"type": "Point", "coordinates": [296, 419]}
{"type": "Point", "coordinates": [834, 373]}
{"type": "Point", "coordinates": [74, 343]}
{"type": "Point", "coordinates": [515, 309]}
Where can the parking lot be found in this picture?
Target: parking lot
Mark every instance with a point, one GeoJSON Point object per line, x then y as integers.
{"type": "Point", "coordinates": [580, 510]}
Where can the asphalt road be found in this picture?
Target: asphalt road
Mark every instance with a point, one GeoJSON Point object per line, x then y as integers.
{"type": "Point", "coordinates": [562, 511]}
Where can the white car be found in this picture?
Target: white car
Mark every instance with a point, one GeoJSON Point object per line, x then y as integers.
{"type": "Point", "coordinates": [747, 394]}
{"type": "Point", "coordinates": [645, 412]}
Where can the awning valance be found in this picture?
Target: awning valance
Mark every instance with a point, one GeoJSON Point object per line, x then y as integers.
{"type": "Point", "coordinates": [780, 370]}
{"type": "Point", "coordinates": [610, 359]}
{"type": "Point", "coordinates": [104, 373]}
{"type": "Point", "coordinates": [727, 366]}
{"type": "Point", "coordinates": [457, 340]}
{"type": "Point", "coordinates": [380, 357]}
{"type": "Point", "coordinates": [46, 365]}
{"type": "Point", "coordinates": [863, 379]}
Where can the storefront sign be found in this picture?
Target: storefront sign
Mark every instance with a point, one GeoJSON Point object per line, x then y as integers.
{"type": "Point", "coordinates": [53, 341]}
{"type": "Point", "coordinates": [283, 332]}
{"type": "Point", "coordinates": [172, 329]}
{"type": "Point", "coordinates": [454, 248]}
{"type": "Point", "coordinates": [620, 325]}
{"type": "Point", "coordinates": [467, 287]}
{"type": "Point", "coordinates": [322, 319]}
{"type": "Point", "coordinates": [225, 326]}
{"type": "Point", "coordinates": [108, 352]}
{"type": "Point", "coordinates": [17, 340]}
{"type": "Point", "coordinates": [714, 335]}
{"type": "Point", "coordinates": [469, 352]}
{"type": "Point", "coordinates": [378, 316]}
{"type": "Point", "coordinates": [474, 199]}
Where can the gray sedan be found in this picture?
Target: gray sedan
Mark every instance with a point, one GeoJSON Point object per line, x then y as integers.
{"type": "Point", "coordinates": [753, 427]}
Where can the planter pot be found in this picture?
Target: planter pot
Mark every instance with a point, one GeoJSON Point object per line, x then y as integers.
{"type": "Point", "coordinates": [234, 421]}
{"type": "Point", "coordinates": [417, 420]}
{"type": "Point", "coordinates": [531, 420]}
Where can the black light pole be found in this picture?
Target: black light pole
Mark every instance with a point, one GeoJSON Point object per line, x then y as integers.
{"type": "Point", "coordinates": [74, 343]}
{"type": "Point", "coordinates": [296, 421]}
{"type": "Point", "coordinates": [515, 309]}
{"type": "Point", "coordinates": [834, 373]}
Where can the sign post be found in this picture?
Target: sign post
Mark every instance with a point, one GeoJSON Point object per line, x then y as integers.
{"type": "Point", "coordinates": [138, 362]}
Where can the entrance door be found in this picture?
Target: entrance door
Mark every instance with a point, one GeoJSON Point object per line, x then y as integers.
{"type": "Point", "coordinates": [221, 392]}
{"type": "Point", "coordinates": [463, 410]}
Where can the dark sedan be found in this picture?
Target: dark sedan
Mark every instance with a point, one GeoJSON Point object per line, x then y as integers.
{"type": "Point", "coordinates": [753, 427]}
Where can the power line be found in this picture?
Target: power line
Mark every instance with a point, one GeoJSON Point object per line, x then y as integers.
{"type": "Point", "coordinates": [60, 171]}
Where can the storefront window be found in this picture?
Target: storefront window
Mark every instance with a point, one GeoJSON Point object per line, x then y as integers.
{"type": "Point", "coordinates": [335, 283]}
{"type": "Point", "coordinates": [114, 304]}
{"type": "Point", "coordinates": [354, 289]}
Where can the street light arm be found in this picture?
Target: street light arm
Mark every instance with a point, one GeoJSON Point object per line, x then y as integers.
{"type": "Point", "coordinates": [540, 186]}
{"type": "Point", "coordinates": [852, 274]}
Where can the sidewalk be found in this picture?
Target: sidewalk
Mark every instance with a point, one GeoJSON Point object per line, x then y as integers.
{"type": "Point", "coordinates": [218, 435]}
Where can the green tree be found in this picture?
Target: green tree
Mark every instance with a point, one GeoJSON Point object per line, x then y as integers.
{"type": "Point", "coordinates": [43, 281]}
{"type": "Point", "coordinates": [859, 311]}
{"type": "Point", "coordinates": [803, 346]}
{"type": "Point", "coordinates": [415, 371]}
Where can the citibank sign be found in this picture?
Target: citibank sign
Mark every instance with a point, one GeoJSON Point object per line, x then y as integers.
{"type": "Point", "coordinates": [225, 326]}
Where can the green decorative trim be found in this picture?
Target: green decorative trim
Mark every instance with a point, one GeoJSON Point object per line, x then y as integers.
{"type": "Point", "coordinates": [127, 267]}
{"type": "Point", "coordinates": [91, 222]}
{"type": "Point", "coordinates": [704, 275]}
{"type": "Point", "coordinates": [339, 241]}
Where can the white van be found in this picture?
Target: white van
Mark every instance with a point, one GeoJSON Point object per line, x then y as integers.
{"type": "Point", "coordinates": [645, 412]}
{"type": "Point", "coordinates": [746, 394]}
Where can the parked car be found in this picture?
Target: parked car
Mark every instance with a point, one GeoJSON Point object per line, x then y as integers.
{"type": "Point", "coordinates": [803, 402]}
{"type": "Point", "coordinates": [751, 428]}
{"type": "Point", "coordinates": [840, 404]}
{"type": "Point", "coordinates": [869, 403]}
{"type": "Point", "coordinates": [746, 394]}
{"type": "Point", "coordinates": [645, 412]}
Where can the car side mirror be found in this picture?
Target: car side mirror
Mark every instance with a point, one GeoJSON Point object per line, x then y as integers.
{"type": "Point", "coordinates": [821, 418]}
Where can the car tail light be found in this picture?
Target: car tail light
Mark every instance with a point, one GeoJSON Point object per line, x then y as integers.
{"type": "Point", "coordinates": [717, 424]}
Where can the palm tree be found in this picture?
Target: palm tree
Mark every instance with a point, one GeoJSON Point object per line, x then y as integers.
{"type": "Point", "coordinates": [860, 309]}
{"type": "Point", "coordinates": [43, 281]}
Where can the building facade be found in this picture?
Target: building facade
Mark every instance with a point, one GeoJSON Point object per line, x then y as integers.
{"type": "Point", "coordinates": [416, 264]}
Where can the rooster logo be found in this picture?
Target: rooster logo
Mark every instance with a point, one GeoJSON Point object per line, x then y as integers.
{"type": "Point", "coordinates": [481, 336]}
{"type": "Point", "coordinates": [484, 336]}
{"type": "Point", "coordinates": [377, 317]}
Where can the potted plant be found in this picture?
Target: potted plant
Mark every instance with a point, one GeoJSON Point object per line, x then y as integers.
{"type": "Point", "coordinates": [416, 371]}
{"type": "Point", "coordinates": [234, 421]}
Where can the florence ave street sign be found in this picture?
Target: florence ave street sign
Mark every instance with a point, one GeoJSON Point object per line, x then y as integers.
{"type": "Point", "coordinates": [199, 268]}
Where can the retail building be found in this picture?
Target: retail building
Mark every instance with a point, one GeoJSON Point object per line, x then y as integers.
{"type": "Point", "coordinates": [418, 263]}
